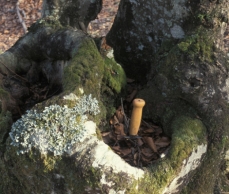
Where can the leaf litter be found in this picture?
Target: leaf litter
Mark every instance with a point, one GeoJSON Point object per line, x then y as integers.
{"type": "Point", "coordinates": [148, 146]}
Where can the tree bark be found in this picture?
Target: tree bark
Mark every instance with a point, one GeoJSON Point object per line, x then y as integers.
{"type": "Point", "coordinates": [175, 47]}
{"type": "Point", "coordinates": [181, 44]}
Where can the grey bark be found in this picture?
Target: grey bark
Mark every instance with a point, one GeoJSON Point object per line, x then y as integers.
{"type": "Point", "coordinates": [75, 13]}
{"type": "Point", "coordinates": [169, 40]}
{"type": "Point", "coordinates": [184, 67]}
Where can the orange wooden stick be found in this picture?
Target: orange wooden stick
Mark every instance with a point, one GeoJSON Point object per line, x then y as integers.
{"type": "Point", "coordinates": [136, 115]}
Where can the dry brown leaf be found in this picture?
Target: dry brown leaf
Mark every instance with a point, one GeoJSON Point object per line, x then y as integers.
{"type": "Point", "coordinates": [165, 139]}
{"type": "Point", "coordinates": [119, 129]}
{"type": "Point", "coordinates": [158, 131]}
{"type": "Point", "coordinates": [151, 130]}
{"type": "Point", "coordinates": [135, 158]}
{"type": "Point", "coordinates": [125, 151]}
{"type": "Point", "coordinates": [146, 160]}
{"type": "Point", "coordinates": [119, 114]}
{"type": "Point", "coordinates": [147, 152]}
{"type": "Point", "coordinates": [112, 136]}
{"type": "Point", "coordinates": [114, 120]}
{"type": "Point", "coordinates": [140, 142]}
{"type": "Point", "coordinates": [106, 137]}
{"type": "Point", "coordinates": [120, 137]}
{"type": "Point", "coordinates": [116, 148]}
{"type": "Point", "coordinates": [162, 142]}
{"type": "Point", "coordinates": [149, 141]}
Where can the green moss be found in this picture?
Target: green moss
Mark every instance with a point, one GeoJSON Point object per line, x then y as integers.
{"type": "Point", "coordinates": [46, 22]}
{"type": "Point", "coordinates": [195, 48]}
{"type": "Point", "coordinates": [50, 162]}
{"type": "Point", "coordinates": [85, 69]}
{"type": "Point", "coordinates": [199, 45]}
{"type": "Point", "coordinates": [114, 75]}
{"type": "Point", "coordinates": [188, 133]}
{"type": "Point", "coordinates": [212, 164]}
{"type": "Point", "coordinates": [38, 173]}
{"type": "Point", "coordinates": [98, 133]}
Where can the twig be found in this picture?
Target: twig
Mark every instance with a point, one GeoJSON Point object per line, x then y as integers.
{"type": "Point", "coordinates": [147, 124]}
{"type": "Point", "coordinates": [18, 10]}
{"type": "Point", "coordinates": [125, 118]}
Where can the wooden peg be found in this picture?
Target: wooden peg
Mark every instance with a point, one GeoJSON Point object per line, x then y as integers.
{"type": "Point", "coordinates": [136, 116]}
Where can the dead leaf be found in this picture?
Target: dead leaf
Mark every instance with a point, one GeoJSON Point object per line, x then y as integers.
{"type": "Point", "coordinates": [150, 143]}
{"type": "Point", "coordinates": [140, 142]}
{"type": "Point", "coordinates": [151, 130]}
{"type": "Point", "coordinates": [119, 129]}
{"type": "Point", "coordinates": [135, 158]}
{"type": "Point", "coordinates": [147, 152]}
{"type": "Point", "coordinates": [120, 137]}
{"type": "Point", "coordinates": [165, 139]}
{"type": "Point", "coordinates": [158, 130]}
{"type": "Point", "coordinates": [114, 120]}
{"type": "Point", "coordinates": [125, 151]}
{"type": "Point", "coordinates": [116, 148]}
{"type": "Point", "coordinates": [106, 137]}
{"type": "Point", "coordinates": [119, 114]}
{"type": "Point", "coordinates": [162, 142]}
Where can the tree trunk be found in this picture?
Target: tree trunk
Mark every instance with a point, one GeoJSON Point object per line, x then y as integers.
{"type": "Point", "coordinates": [181, 44]}
{"type": "Point", "coordinates": [175, 48]}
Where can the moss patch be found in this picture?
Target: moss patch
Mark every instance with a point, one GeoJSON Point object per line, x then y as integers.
{"type": "Point", "coordinates": [85, 69]}
{"type": "Point", "coordinates": [198, 45]}
{"type": "Point", "coordinates": [188, 133]}
{"type": "Point", "coordinates": [37, 173]}
{"type": "Point", "coordinates": [114, 75]}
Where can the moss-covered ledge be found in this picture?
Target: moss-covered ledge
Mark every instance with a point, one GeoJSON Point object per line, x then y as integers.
{"type": "Point", "coordinates": [188, 147]}
{"type": "Point", "coordinates": [73, 68]}
{"type": "Point", "coordinates": [92, 165]}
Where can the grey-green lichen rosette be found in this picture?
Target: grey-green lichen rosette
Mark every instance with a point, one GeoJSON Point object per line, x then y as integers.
{"type": "Point", "coordinates": [56, 129]}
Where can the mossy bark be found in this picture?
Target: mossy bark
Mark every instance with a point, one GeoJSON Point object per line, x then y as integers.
{"type": "Point", "coordinates": [64, 60]}
{"type": "Point", "coordinates": [184, 45]}
{"type": "Point", "coordinates": [187, 94]}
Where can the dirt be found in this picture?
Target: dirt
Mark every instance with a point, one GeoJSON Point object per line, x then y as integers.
{"type": "Point", "coordinates": [11, 29]}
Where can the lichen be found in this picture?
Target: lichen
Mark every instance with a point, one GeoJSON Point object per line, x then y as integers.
{"type": "Point", "coordinates": [54, 130]}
